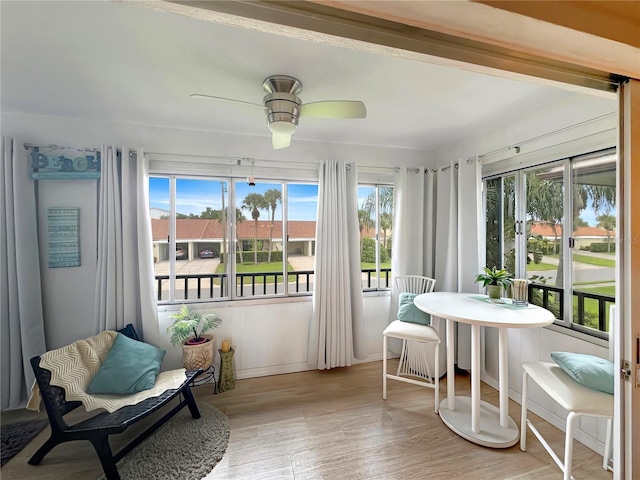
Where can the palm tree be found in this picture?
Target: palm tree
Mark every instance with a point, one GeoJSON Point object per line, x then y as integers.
{"type": "Point", "coordinates": [254, 202]}
{"type": "Point", "coordinates": [386, 200]}
{"type": "Point", "coordinates": [608, 222]}
{"type": "Point", "coordinates": [272, 197]}
{"type": "Point", "coordinates": [386, 211]}
{"type": "Point", "coordinates": [364, 222]}
{"type": "Point", "coordinates": [545, 203]}
{"type": "Point", "coordinates": [385, 224]}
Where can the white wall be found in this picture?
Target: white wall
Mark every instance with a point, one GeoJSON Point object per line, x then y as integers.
{"type": "Point", "coordinates": [68, 292]}
{"type": "Point", "coordinates": [540, 124]}
{"type": "Point", "coordinates": [270, 336]}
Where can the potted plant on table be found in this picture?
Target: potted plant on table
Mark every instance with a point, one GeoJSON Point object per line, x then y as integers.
{"type": "Point", "coordinates": [188, 331]}
{"type": "Point", "coordinates": [495, 280]}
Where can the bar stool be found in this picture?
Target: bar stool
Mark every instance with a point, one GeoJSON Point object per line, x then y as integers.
{"type": "Point", "coordinates": [413, 366]}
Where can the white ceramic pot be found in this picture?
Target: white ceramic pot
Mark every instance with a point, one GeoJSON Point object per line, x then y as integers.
{"type": "Point", "coordinates": [200, 355]}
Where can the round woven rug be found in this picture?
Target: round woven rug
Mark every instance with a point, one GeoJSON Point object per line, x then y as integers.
{"type": "Point", "coordinates": [183, 448]}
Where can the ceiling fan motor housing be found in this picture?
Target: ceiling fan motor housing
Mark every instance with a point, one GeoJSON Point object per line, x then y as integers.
{"type": "Point", "coordinates": [281, 102]}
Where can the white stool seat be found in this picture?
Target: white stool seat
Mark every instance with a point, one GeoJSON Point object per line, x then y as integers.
{"type": "Point", "coordinates": [567, 392]}
{"type": "Point", "coordinates": [572, 396]}
{"type": "Point", "coordinates": [412, 331]}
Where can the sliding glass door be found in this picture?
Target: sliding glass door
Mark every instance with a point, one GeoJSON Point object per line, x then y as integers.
{"type": "Point", "coordinates": [554, 225]}
{"type": "Point", "coordinates": [543, 236]}
{"type": "Point", "coordinates": [593, 245]}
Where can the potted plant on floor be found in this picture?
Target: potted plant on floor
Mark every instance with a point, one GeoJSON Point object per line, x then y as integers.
{"type": "Point", "coordinates": [188, 331]}
{"type": "Point", "coordinates": [495, 280]}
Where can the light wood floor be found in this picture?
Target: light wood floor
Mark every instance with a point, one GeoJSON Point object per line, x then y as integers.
{"type": "Point", "coordinates": [335, 425]}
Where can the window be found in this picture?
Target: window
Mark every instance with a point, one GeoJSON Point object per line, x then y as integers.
{"type": "Point", "coordinates": [375, 215]}
{"type": "Point", "coordinates": [201, 252]}
{"type": "Point", "coordinates": [554, 224]}
{"type": "Point", "coordinates": [266, 248]}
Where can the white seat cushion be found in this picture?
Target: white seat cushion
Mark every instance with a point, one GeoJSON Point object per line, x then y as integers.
{"type": "Point", "coordinates": [567, 392]}
{"type": "Point", "coordinates": [412, 331]}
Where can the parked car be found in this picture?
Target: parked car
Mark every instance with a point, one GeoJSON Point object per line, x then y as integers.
{"type": "Point", "coordinates": [180, 254]}
{"type": "Point", "coordinates": [206, 253]}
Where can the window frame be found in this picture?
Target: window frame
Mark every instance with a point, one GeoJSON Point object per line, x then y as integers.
{"type": "Point", "coordinates": [377, 186]}
{"type": "Point", "coordinates": [566, 324]}
{"type": "Point", "coordinates": [231, 270]}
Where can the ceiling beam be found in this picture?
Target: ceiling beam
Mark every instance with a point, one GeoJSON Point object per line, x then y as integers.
{"type": "Point", "coordinates": [293, 17]}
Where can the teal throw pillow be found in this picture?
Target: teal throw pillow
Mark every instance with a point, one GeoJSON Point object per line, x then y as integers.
{"type": "Point", "coordinates": [408, 312]}
{"type": "Point", "coordinates": [589, 370]}
{"type": "Point", "coordinates": [129, 367]}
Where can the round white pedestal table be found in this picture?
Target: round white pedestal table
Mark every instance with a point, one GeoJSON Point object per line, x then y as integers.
{"type": "Point", "coordinates": [470, 417]}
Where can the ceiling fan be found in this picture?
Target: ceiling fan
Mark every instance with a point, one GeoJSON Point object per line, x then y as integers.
{"type": "Point", "coordinates": [283, 107]}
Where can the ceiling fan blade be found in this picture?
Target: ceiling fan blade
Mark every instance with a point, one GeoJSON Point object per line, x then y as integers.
{"type": "Point", "coordinates": [224, 99]}
{"type": "Point", "coordinates": [280, 140]}
{"type": "Point", "coordinates": [334, 109]}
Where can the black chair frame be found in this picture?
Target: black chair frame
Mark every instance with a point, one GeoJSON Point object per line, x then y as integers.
{"type": "Point", "coordinates": [98, 428]}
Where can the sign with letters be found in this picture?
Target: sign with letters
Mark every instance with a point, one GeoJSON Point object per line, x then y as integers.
{"type": "Point", "coordinates": [45, 167]}
{"type": "Point", "coordinates": [63, 229]}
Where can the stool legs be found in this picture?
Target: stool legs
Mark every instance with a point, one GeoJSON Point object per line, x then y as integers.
{"type": "Point", "coordinates": [436, 378]}
{"type": "Point", "coordinates": [385, 343]}
{"type": "Point", "coordinates": [523, 415]}
{"type": "Point", "coordinates": [568, 446]}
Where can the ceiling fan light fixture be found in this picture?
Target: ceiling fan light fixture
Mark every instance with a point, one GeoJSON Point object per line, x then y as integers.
{"type": "Point", "coordinates": [281, 127]}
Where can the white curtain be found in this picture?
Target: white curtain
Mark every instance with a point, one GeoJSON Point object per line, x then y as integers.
{"type": "Point", "coordinates": [124, 278]}
{"type": "Point", "coordinates": [413, 225]}
{"type": "Point", "coordinates": [414, 221]}
{"type": "Point", "coordinates": [336, 333]}
{"type": "Point", "coordinates": [437, 226]}
{"type": "Point", "coordinates": [22, 324]}
{"type": "Point", "coordinates": [458, 238]}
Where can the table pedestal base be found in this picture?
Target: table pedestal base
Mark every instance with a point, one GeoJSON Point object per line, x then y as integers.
{"type": "Point", "coordinates": [491, 433]}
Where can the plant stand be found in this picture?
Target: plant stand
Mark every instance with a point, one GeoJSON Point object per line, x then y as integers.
{"type": "Point", "coordinates": [226, 382]}
{"type": "Point", "coordinates": [205, 377]}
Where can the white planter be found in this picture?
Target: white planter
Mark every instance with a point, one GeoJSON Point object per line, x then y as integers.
{"type": "Point", "coordinates": [199, 356]}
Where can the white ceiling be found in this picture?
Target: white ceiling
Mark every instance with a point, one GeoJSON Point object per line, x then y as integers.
{"type": "Point", "coordinates": [129, 64]}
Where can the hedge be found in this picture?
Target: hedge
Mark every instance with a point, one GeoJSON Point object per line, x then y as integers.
{"type": "Point", "coordinates": [369, 252]}
{"type": "Point", "coordinates": [602, 247]}
{"type": "Point", "coordinates": [263, 256]}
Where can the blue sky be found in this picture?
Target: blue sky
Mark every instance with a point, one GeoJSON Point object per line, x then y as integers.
{"type": "Point", "coordinates": [194, 196]}
{"type": "Point", "coordinates": [589, 215]}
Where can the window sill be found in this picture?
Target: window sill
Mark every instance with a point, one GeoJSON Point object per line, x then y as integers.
{"type": "Point", "coordinates": [579, 335]}
{"type": "Point", "coordinates": [237, 303]}
{"type": "Point", "coordinates": [174, 307]}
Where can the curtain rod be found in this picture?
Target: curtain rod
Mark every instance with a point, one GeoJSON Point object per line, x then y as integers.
{"type": "Point", "coordinates": [469, 162]}
{"type": "Point", "coordinates": [53, 146]}
{"type": "Point", "coordinates": [516, 146]}
{"type": "Point", "coordinates": [251, 160]}
{"type": "Point", "coordinates": [225, 157]}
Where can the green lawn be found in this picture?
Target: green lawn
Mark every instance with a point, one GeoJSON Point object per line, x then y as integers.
{"type": "Point", "coordinates": [260, 268]}
{"type": "Point", "coordinates": [372, 266]}
{"type": "Point", "coordinates": [600, 262]}
{"type": "Point", "coordinates": [608, 290]}
{"type": "Point", "coordinates": [535, 267]}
